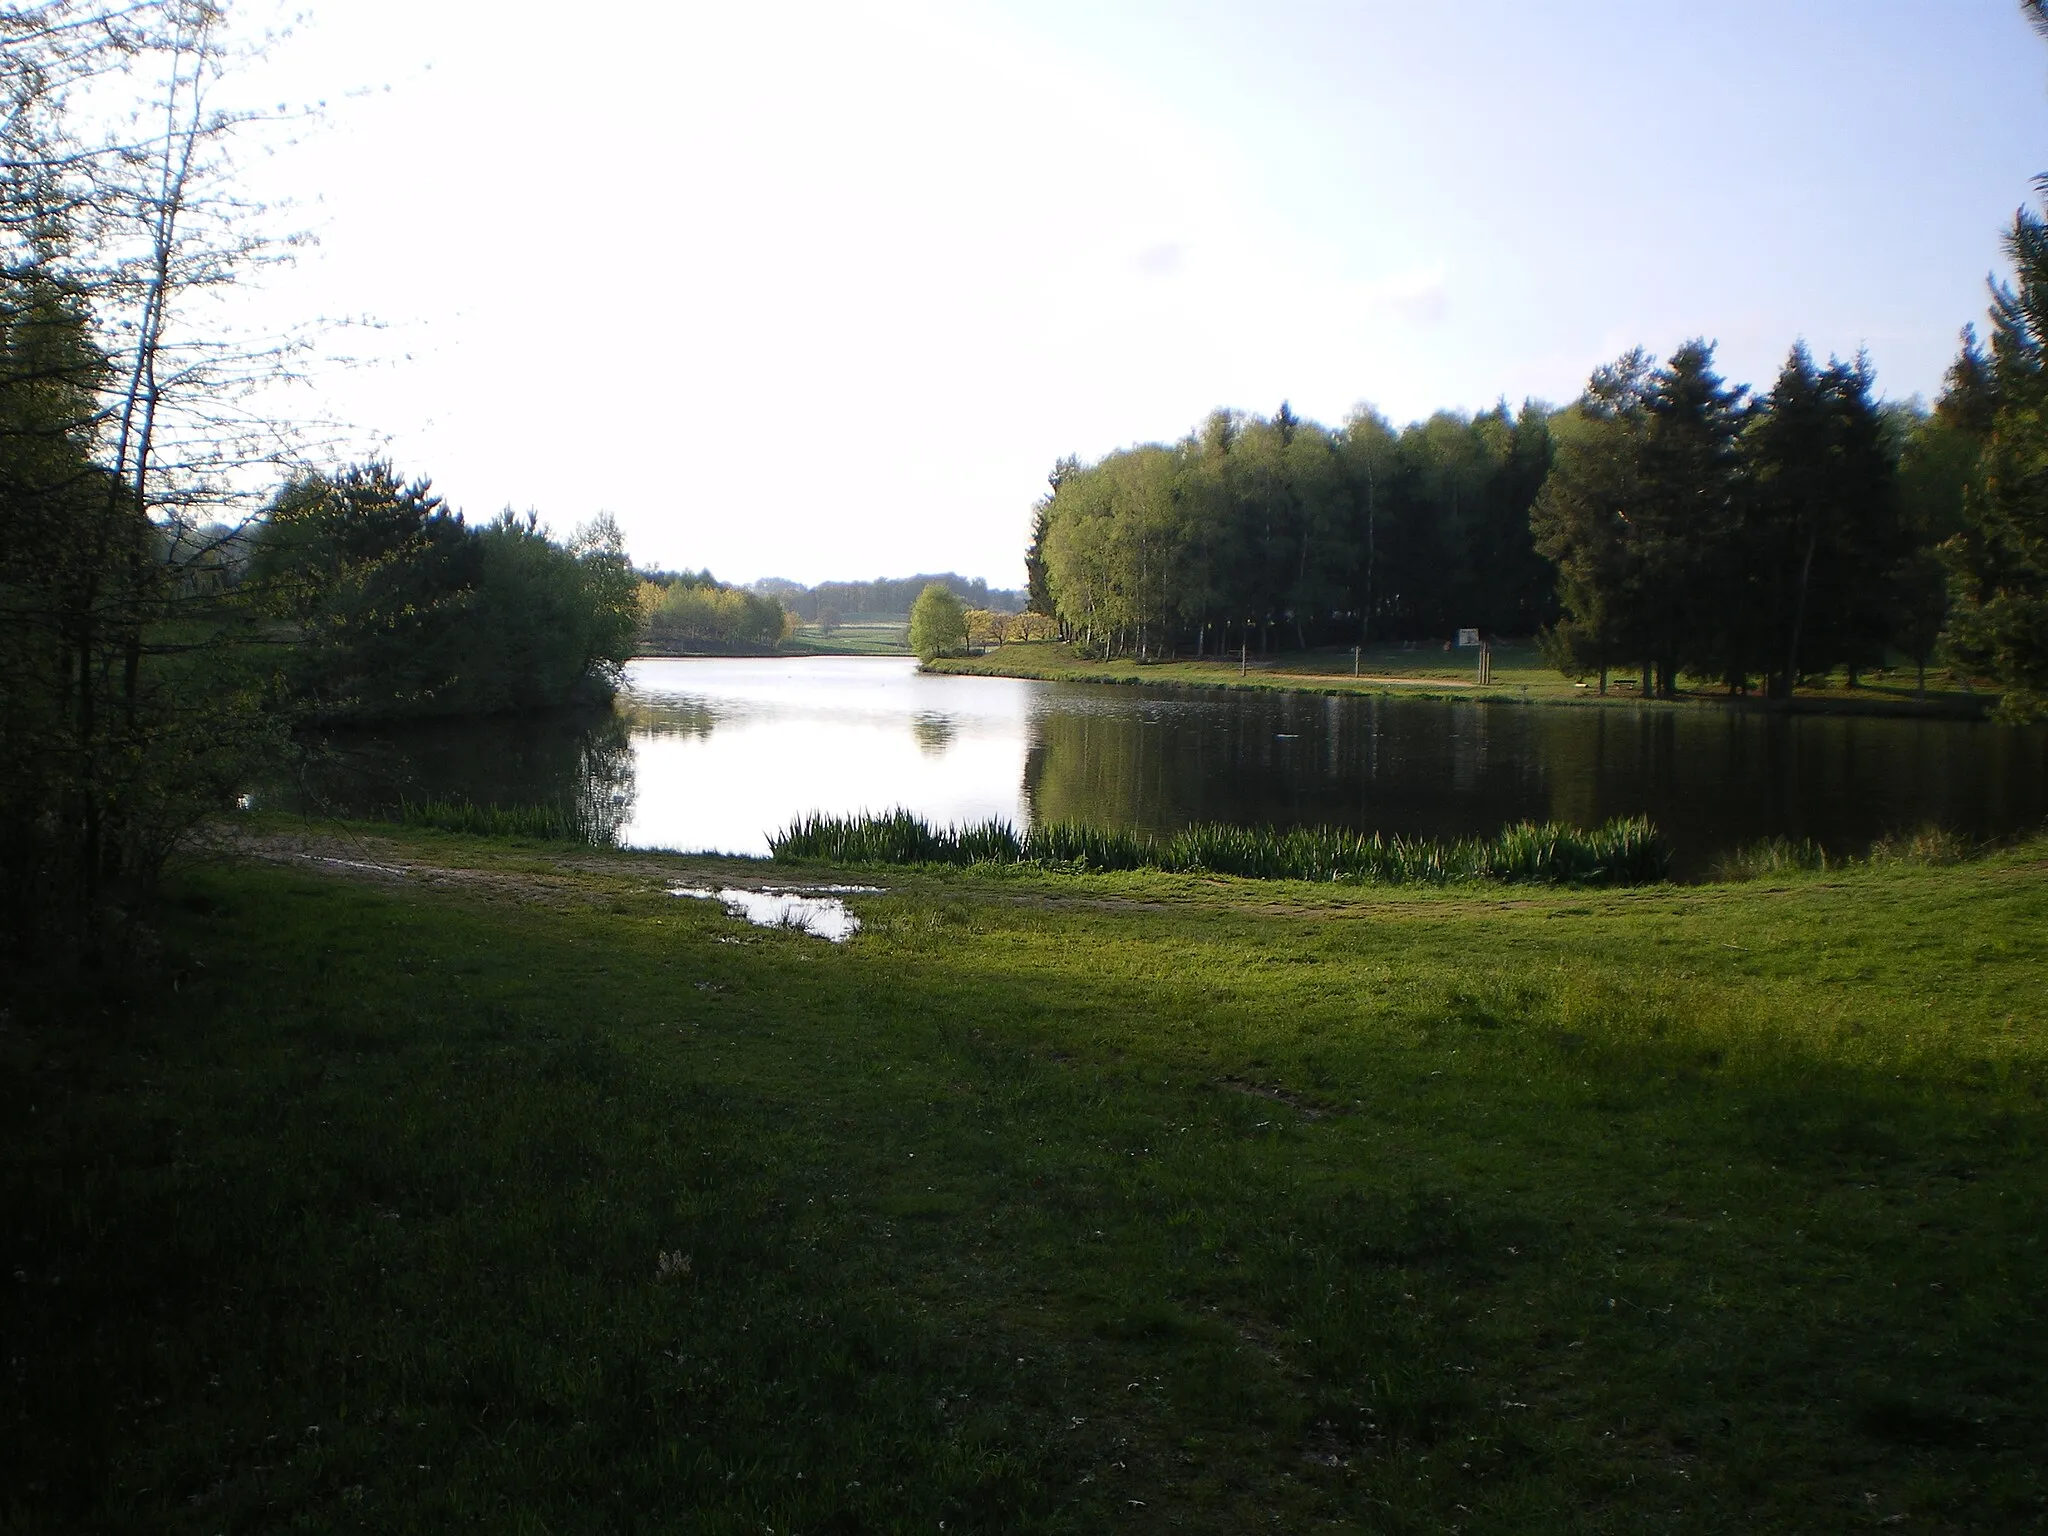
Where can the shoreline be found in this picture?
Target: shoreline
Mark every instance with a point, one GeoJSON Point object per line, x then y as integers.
{"type": "Point", "coordinates": [1549, 690]}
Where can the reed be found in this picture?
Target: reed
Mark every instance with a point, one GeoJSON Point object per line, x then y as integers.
{"type": "Point", "coordinates": [548, 823]}
{"type": "Point", "coordinates": [1771, 856]}
{"type": "Point", "coordinates": [1623, 852]}
{"type": "Point", "coordinates": [894, 838]}
{"type": "Point", "coordinates": [1084, 847]}
{"type": "Point", "coordinates": [1929, 845]}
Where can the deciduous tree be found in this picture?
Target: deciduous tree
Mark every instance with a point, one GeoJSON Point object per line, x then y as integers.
{"type": "Point", "coordinates": [938, 624]}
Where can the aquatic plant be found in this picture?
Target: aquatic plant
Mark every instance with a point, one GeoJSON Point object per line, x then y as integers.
{"type": "Point", "coordinates": [1622, 852]}
{"type": "Point", "coordinates": [1085, 847]}
{"type": "Point", "coordinates": [1771, 856]}
{"type": "Point", "coordinates": [551, 823]}
{"type": "Point", "coordinates": [1928, 845]}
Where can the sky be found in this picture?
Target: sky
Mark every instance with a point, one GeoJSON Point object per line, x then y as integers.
{"type": "Point", "coordinates": [823, 291]}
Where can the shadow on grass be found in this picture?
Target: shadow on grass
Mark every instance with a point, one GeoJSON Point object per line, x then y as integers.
{"type": "Point", "coordinates": [377, 1218]}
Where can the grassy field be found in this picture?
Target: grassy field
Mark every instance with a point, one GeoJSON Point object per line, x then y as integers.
{"type": "Point", "coordinates": [1519, 672]}
{"type": "Point", "coordinates": [445, 1183]}
{"type": "Point", "coordinates": [871, 639]}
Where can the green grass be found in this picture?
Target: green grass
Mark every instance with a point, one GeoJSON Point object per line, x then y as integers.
{"type": "Point", "coordinates": [1623, 852]}
{"type": "Point", "coordinates": [869, 639]}
{"type": "Point", "coordinates": [1428, 671]}
{"type": "Point", "coordinates": [531, 1199]}
{"type": "Point", "coordinates": [547, 823]}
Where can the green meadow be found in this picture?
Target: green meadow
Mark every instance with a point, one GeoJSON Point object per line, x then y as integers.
{"type": "Point", "coordinates": [436, 1182]}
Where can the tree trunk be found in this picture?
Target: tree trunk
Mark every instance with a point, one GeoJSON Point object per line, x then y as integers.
{"type": "Point", "coordinates": [1371, 557]}
{"type": "Point", "coordinates": [1799, 614]}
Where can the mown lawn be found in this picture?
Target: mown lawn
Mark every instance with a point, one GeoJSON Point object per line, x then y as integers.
{"type": "Point", "coordinates": [849, 640]}
{"type": "Point", "coordinates": [533, 1199]}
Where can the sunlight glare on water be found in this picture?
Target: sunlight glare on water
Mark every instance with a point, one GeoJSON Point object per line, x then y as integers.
{"type": "Point", "coordinates": [727, 752]}
{"type": "Point", "coordinates": [822, 917]}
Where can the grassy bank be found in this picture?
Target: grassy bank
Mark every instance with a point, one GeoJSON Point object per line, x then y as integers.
{"type": "Point", "coordinates": [458, 1183]}
{"type": "Point", "coordinates": [867, 639]}
{"type": "Point", "coordinates": [1520, 674]}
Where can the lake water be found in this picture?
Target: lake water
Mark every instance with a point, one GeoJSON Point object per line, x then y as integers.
{"type": "Point", "coordinates": [715, 754]}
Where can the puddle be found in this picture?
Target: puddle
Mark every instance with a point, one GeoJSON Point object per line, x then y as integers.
{"type": "Point", "coordinates": [817, 911]}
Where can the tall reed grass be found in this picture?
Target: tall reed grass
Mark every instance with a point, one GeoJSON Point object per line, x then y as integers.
{"type": "Point", "coordinates": [1927, 845]}
{"type": "Point", "coordinates": [550, 823]}
{"type": "Point", "coordinates": [1772, 856]}
{"type": "Point", "coordinates": [1623, 852]}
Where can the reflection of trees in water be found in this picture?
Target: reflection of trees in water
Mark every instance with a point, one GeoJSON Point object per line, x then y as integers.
{"type": "Point", "coordinates": [582, 762]}
{"type": "Point", "coordinates": [1290, 760]}
{"type": "Point", "coordinates": [934, 732]}
{"type": "Point", "coordinates": [1110, 769]}
{"type": "Point", "coordinates": [1717, 779]}
{"type": "Point", "coordinates": [606, 787]}
{"type": "Point", "coordinates": [668, 717]}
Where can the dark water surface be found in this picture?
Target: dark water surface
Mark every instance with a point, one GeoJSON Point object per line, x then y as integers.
{"type": "Point", "coordinates": [715, 754]}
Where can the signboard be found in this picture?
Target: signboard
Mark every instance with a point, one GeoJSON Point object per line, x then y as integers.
{"type": "Point", "coordinates": [1467, 638]}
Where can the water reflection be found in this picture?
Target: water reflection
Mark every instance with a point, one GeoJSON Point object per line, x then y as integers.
{"type": "Point", "coordinates": [660, 716]}
{"type": "Point", "coordinates": [822, 917]}
{"type": "Point", "coordinates": [934, 733]}
{"type": "Point", "coordinates": [717, 754]}
{"type": "Point", "coordinates": [1712, 780]}
{"type": "Point", "coordinates": [840, 734]}
{"type": "Point", "coordinates": [581, 763]}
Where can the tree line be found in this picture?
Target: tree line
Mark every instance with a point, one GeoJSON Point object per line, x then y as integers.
{"type": "Point", "coordinates": [689, 613]}
{"type": "Point", "coordinates": [831, 602]}
{"type": "Point", "coordinates": [384, 603]}
{"type": "Point", "coordinates": [1666, 521]}
{"type": "Point", "coordinates": [1253, 531]}
{"type": "Point", "coordinates": [1749, 539]}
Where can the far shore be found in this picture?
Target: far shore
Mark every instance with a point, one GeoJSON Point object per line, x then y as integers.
{"type": "Point", "coordinates": [1519, 676]}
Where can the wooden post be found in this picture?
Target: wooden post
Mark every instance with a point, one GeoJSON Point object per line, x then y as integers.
{"type": "Point", "coordinates": [1354, 660]}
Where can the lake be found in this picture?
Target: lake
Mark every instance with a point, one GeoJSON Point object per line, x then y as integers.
{"type": "Point", "coordinates": [715, 754]}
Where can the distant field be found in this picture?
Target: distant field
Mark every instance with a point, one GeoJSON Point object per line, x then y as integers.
{"type": "Point", "coordinates": [446, 1183]}
{"type": "Point", "coordinates": [890, 637]}
{"type": "Point", "coordinates": [1426, 671]}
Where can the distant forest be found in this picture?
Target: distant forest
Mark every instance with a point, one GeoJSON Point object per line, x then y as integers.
{"type": "Point", "coordinates": [831, 602]}
{"type": "Point", "coordinates": [1666, 519]}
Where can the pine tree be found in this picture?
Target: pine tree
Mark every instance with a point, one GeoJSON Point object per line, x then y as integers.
{"type": "Point", "coordinates": [1999, 562]}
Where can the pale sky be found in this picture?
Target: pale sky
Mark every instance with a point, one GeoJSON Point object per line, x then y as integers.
{"type": "Point", "coordinates": [823, 290]}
